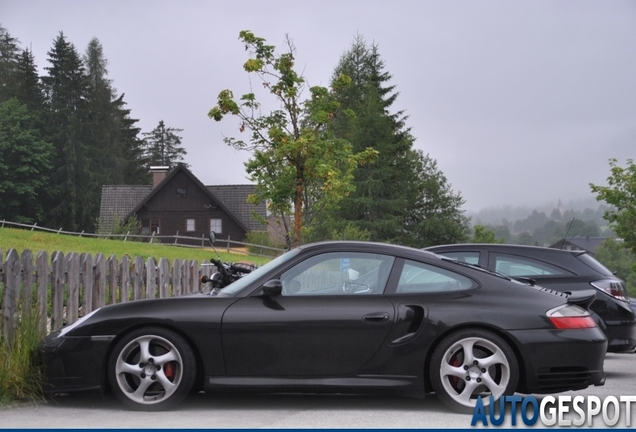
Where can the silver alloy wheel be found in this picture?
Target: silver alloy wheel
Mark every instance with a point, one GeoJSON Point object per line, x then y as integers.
{"type": "Point", "coordinates": [473, 367]}
{"type": "Point", "coordinates": [149, 369]}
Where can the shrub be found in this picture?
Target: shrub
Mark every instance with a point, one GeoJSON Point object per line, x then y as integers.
{"type": "Point", "coordinates": [264, 239]}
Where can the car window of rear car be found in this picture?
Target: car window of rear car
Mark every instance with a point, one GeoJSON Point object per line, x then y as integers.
{"type": "Point", "coordinates": [513, 265]}
{"type": "Point", "coordinates": [417, 277]}
{"type": "Point", "coordinates": [594, 264]}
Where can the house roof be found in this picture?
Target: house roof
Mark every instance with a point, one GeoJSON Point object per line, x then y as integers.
{"type": "Point", "coordinates": [117, 203]}
{"type": "Point", "coordinates": [588, 243]}
{"type": "Point", "coordinates": [121, 201]}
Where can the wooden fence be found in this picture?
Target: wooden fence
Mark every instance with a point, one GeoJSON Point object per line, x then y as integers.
{"type": "Point", "coordinates": [65, 287]}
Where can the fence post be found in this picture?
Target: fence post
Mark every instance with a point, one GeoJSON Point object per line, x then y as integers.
{"type": "Point", "coordinates": [151, 278]}
{"type": "Point", "coordinates": [138, 278]}
{"type": "Point", "coordinates": [34, 225]}
{"type": "Point", "coordinates": [59, 280]}
{"type": "Point", "coordinates": [72, 303]}
{"type": "Point", "coordinates": [185, 276]}
{"type": "Point", "coordinates": [113, 278]}
{"type": "Point", "coordinates": [228, 242]}
{"type": "Point", "coordinates": [27, 272]}
{"type": "Point", "coordinates": [176, 237]}
{"type": "Point", "coordinates": [164, 278]}
{"type": "Point", "coordinates": [10, 307]}
{"type": "Point", "coordinates": [88, 279]}
{"type": "Point", "coordinates": [193, 276]}
{"type": "Point", "coordinates": [99, 293]}
{"type": "Point", "coordinates": [124, 289]}
{"type": "Point", "coordinates": [42, 274]}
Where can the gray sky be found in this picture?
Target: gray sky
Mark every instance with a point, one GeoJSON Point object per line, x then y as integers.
{"type": "Point", "coordinates": [520, 102]}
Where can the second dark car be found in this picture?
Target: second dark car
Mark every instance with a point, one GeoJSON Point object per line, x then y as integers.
{"type": "Point", "coordinates": [561, 270]}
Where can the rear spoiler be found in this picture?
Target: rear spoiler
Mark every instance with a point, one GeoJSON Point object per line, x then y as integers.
{"type": "Point", "coordinates": [583, 298]}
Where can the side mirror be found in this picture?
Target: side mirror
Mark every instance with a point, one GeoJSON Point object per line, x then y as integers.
{"type": "Point", "coordinates": [272, 288]}
{"type": "Point", "coordinates": [212, 237]}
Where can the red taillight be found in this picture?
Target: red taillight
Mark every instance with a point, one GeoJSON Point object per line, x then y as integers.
{"type": "Point", "coordinates": [570, 316]}
{"type": "Point", "coordinates": [573, 322]}
{"type": "Point", "coordinates": [612, 287]}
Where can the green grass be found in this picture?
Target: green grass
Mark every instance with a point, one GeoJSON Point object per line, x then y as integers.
{"type": "Point", "coordinates": [20, 375]}
{"type": "Point", "coordinates": [36, 241]}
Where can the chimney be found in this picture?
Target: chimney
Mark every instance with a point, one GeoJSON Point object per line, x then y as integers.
{"type": "Point", "coordinates": [158, 174]}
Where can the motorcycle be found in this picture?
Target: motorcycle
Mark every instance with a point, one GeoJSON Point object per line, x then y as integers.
{"type": "Point", "coordinates": [225, 273]}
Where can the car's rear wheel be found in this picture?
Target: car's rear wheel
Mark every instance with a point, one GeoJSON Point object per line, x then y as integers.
{"type": "Point", "coordinates": [151, 369]}
{"type": "Point", "coordinates": [473, 363]}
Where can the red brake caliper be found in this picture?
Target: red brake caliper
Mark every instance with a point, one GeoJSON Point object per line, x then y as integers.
{"type": "Point", "coordinates": [168, 370]}
{"type": "Point", "coordinates": [454, 362]}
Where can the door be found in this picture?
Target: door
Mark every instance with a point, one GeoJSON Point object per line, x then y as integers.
{"type": "Point", "coordinates": [330, 319]}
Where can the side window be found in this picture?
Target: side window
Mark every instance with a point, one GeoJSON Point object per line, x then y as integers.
{"type": "Point", "coordinates": [216, 225]}
{"type": "Point", "coordinates": [338, 273]}
{"type": "Point", "coordinates": [512, 265]}
{"type": "Point", "coordinates": [467, 257]}
{"type": "Point", "coordinates": [190, 225]}
{"type": "Point", "coordinates": [418, 277]}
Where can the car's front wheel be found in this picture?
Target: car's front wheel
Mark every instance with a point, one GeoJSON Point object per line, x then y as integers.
{"type": "Point", "coordinates": [473, 363]}
{"type": "Point", "coordinates": [151, 369]}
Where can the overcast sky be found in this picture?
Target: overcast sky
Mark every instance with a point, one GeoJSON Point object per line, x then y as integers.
{"type": "Point", "coordinates": [521, 103]}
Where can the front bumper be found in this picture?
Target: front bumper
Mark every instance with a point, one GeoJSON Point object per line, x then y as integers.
{"type": "Point", "coordinates": [73, 363]}
{"type": "Point", "coordinates": [560, 360]}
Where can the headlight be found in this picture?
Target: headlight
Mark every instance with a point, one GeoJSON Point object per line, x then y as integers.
{"type": "Point", "coordinates": [70, 327]}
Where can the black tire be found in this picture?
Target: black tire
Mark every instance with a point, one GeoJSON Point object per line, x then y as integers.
{"type": "Point", "coordinates": [490, 368]}
{"type": "Point", "coordinates": [151, 369]}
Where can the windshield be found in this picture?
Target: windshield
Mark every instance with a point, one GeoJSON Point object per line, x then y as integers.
{"type": "Point", "coordinates": [251, 277]}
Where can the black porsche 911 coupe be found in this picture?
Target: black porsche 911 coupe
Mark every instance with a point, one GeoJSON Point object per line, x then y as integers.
{"type": "Point", "coordinates": [338, 317]}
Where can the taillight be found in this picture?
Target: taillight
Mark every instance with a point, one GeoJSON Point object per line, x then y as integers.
{"type": "Point", "coordinates": [612, 287]}
{"type": "Point", "coordinates": [570, 317]}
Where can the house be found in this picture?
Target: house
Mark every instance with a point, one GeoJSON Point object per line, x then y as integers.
{"type": "Point", "coordinates": [588, 244]}
{"type": "Point", "coordinates": [177, 203]}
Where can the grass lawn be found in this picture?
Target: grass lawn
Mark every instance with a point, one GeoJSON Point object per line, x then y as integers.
{"type": "Point", "coordinates": [19, 239]}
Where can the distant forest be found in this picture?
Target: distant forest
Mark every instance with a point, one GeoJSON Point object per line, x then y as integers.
{"type": "Point", "coordinates": [547, 224]}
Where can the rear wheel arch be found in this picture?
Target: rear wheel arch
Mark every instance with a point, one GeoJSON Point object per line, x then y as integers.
{"type": "Point", "coordinates": [513, 344]}
{"type": "Point", "coordinates": [472, 362]}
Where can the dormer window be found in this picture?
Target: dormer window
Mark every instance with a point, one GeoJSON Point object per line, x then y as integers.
{"type": "Point", "coordinates": [181, 192]}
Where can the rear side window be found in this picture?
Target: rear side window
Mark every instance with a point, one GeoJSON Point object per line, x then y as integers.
{"type": "Point", "coordinates": [594, 264]}
{"type": "Point", "coordinates": [467, 257]}
{"type": "Point", "coordinates": [418, 277]}
{"type": "Point", "coordinates": [513, 265]}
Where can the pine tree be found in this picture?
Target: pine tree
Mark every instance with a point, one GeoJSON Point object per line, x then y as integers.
{"type": "Point", "coordinates": [9, 53]}
{"type": "Point", "coordinates": [163, 146]}
{"type": "Point", "coordinates": [135, 167]}
{"type": "Point", "coordinates": [29, 88]}
{"type": "Point", "coordinates": [25, 161]}
{"type": "Point", "coordinates": [389, 198]}
{"type": "Point", "coordinates": [75, 196]}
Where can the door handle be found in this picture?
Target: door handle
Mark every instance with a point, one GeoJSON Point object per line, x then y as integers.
{"type": "Point", "coordinates": [376, 317]}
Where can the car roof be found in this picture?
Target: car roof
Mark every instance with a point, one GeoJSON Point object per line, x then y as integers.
{"type": "Point", "coordinates": [508, 248]}
{"type": "Point", "coordinates": [369, 246]}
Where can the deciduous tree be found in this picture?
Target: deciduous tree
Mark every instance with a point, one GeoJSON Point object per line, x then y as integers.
{"type": "Point", "coordinates": [620, 193]}
{"type": "Point", "coordinates": [296, 162]}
